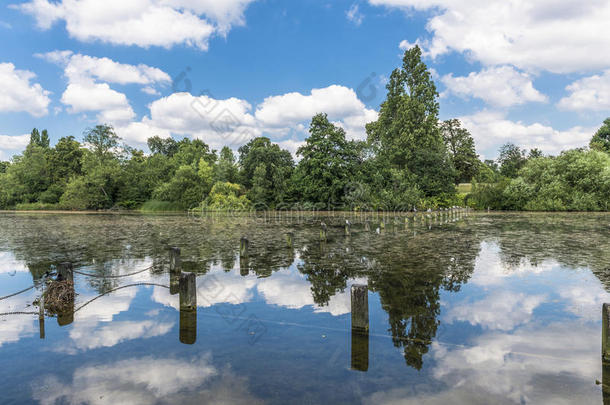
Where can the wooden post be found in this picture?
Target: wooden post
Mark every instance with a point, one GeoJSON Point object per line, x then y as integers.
{"type": "Point", "coordinates": [348, 228]}
{"type": "Point", "coordinates": [360, 307]}
{"type": "Point", "coordinates": [188, 292]}
{"type": "Point", "coordinates": [41, 313]}
{"type": "Point", "coordinates": [175, 263]}
{"type": "Point", "coordinates": [64, 272]}
{"type": "Point", "coordinates": [367, 226]}
{"type": "Point", "coordinates": [289, 238]}
{"type": "Point", "coordinates": [244, 245]}
{"type": "Point", "coordinates": [323, 232]}
{"type": "Point", "coordinates": [188, 326]}
{"type": "Point", "coordinates": [360, 328]}
{"type": "Point", "coordinates": [606, 333]}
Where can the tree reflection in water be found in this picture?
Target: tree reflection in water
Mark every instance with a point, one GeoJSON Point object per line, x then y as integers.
{"type": "Point", "coordinates": [408, 272]}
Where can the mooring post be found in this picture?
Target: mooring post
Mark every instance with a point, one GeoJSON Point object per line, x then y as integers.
{"type": "Point", "coordinates": [606, 333]}
{"type": "Point", "coordinates": [348, 228]}
{"type": "Point", "coordinates": [289, 238]}
{"type": "Point", "coordinates": [360, 307]}
{"type": "Point", "coordinates": [188, 292]}
{"type": "Point", "coordinates": [65, 272]}
{"type": "Point", "coordinates": [360, 328]}
{"type": "Point", "coordinates": [323, 232]}
{"type": "Point", "coordinates": [367, 226]}
{"type": "Point", "coordinates": [188, 326]}
{"type": "Point", "coordinates": [175, 263]}
{"type": "Point", "coordinates": [244, 245]}
{"type": "Point", "coordinates": [41, 313]}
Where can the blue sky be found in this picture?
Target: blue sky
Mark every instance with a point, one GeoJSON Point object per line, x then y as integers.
{"type": "Point", "coordinates": [534, 74]}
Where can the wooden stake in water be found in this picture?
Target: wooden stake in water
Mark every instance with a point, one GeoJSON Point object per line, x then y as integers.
{"type": "Point", "coordinates": [289, 238]}
{"type": "Point", "coordinates": [360, 307]}
{"type": "Point", "coordinates": [41, 313]}
{"type": "Point", "coordinates": [606, 333]}
{"type": "Point", "coordinates": [360, 328]}
{"type": "Point", "coordinates": [188, 292]}
{"type": "Point", "coordinates": [244, 246]}
{"type": "Point", "coordinates": [323, 232]}
{"type": "Point", "coordinates": [65, 272]}
{"type": "Point", "coordinates": [175, 263]}
{"type": "Point", "coordinates": [348, 228]}
{"type": "Point", "coordinates": [188, 326]}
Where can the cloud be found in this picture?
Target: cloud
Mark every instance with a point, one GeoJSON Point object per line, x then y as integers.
{"type": "Point", "coordinates": [112, 105]}
{"type": "Point", "coordinates": [491, 129]}
{"type": "Point", "coordinates": [340, 103]}
{"type": "Point", "coordinates": [12, 143]}
{"type": "Point", "coordinates": [146, 380]}
{"type": "Point", "coordinates": [18, 94]}
{"type": "Point", "coordinates": [501, 86]}
{"type": "Point", "coordinates": [560, 37]}
{"type": "Point", "coordinates": [80, 67]}
{"type": "Point", "coordinates": [354, 15]}
{"type": "Point", "coordinates": [88, 89]}
{"type": "Point", "coordinates": [143, 23]}
{"type": "Point", "coordinates": [233, 121]}
{"type": "Point", "coordinates": [590, 93]}
{"type": "Point", "coordinates": [517, 309]}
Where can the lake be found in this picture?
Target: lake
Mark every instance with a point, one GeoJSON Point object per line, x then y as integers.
{"type": "Point", "coordinates": [501, 308]}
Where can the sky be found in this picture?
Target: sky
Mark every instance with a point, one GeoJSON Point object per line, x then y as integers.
{"type": "Point", "coordinates": [533, 73]}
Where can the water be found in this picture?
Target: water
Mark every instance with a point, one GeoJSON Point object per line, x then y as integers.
{"type": "Point", "coordinates": [500, 308]}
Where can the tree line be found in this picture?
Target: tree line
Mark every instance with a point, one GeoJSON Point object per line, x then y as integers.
{"type": "Point", "coordinates": [409, 159]}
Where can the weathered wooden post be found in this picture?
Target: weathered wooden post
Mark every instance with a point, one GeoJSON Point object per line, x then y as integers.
{"type": "Point", "coordinates": [348, 228]}
{"type": "Point", "coordinates": [381, 226]}
{"type": "Point", "coordinates": [360, 328]}
{"type": "Point", "coordinates": [606, 354]}
{"type": "Point", "coordinates": [244, 245]}
{"type": "Point", "coordinates": [360, 307]}
{"type": "Point", "coordinates": [65, 272]}
{"type": "Point", "coordinates": [367, 226]}
{"type": "Point", "coordinates": [188, 292]}
{"type": "Point", "coordinates": [323, 232]}
{"type": "Point", "coordinates": [289, 238]}
{"type": "Point", "coordinates": [188, 326]}
{"type": "Point", "coordinates": [175, 268]}
{"type": "Point", "coordinates": [175, 262]}
{"type": "Point", "coordinates": [41, 313]}
{"type": "Point", "coordinates": [606, 333]}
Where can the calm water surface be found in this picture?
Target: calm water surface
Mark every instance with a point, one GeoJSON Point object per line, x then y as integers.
{"type": "Point", "coordinates": [500, 308]}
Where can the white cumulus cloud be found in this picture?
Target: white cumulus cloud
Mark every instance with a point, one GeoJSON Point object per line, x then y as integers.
{"type": "Point", "coordinates": [590, 93]}
{"type": "Point", "coordinates": [18, 93]}
{"type": "Point", "coordinates": [501, 86]}
{"type": "Point", "coordinates": [492, 129]}
{"type": "Point", "coordinates": [143, 23]}
{"type": "Point", "coordinates": [560, 37]}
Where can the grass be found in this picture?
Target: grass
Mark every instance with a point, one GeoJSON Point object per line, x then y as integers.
{"type": "Point", "coordinates": [37, 206]}
{"type": "Point", "coordinates": [464, 188]}
{"type": "Point", "coordinates": [161, 206]}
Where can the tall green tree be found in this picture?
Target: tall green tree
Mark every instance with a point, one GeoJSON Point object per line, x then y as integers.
{"type": "Point", "coordinates": [601, 139]}
{"type": "Point", "coordinates": [460, 145]}
{"type": "Point", "coordinates": [163, 146]}
{"type": "Point", "coordinates": [406, 135]}
{"type": "Point", "coordinates": [512, 158]}
{"type": "Point", "coordinates": [226, 168]}
{"type": "Point", "coordinates": [102, 139]}
{"type": "Point", "coordinates": [278, 166]}
{"type": "Point", "coordinates": [329, 163]}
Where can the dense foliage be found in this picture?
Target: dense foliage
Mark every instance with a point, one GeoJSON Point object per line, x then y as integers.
{"type": "Point", "coordinates": [409, 159]}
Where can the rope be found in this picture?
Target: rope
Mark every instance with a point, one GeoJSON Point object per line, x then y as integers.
{"type": "Point", "coordinates": [119, 276]}
{"type": "Point", "coordinates": [18, 313]}
{"type": "Point", "coordinates": [17, 293]}
{"type": "Point", "coordinates": [116, 289]}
